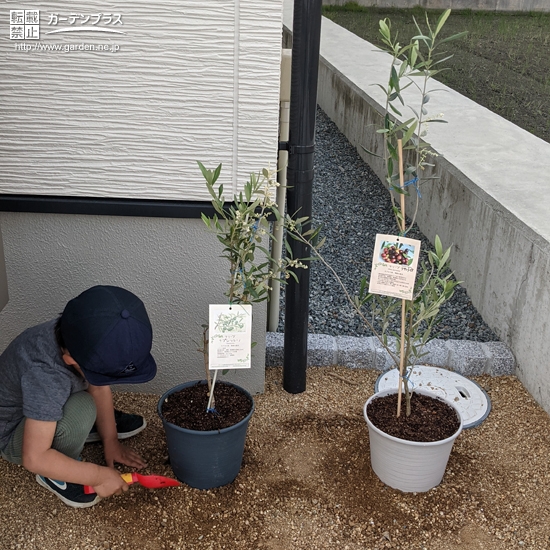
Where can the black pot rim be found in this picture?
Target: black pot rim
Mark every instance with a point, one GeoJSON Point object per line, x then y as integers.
{"type": "Point", "coordinates": [201, 432]}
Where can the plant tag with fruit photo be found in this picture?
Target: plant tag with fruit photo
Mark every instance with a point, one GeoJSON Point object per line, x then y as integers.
{"type": "Point", "coordinates": [230, 336]}
{"type": "Point", "coordinates": [394, 265]}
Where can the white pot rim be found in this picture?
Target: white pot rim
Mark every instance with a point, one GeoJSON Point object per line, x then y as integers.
{"type": "Point", "coordinates": [383, 393]}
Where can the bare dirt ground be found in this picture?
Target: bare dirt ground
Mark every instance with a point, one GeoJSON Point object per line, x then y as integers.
{"type": "Point", "coordinates": [306, 483]}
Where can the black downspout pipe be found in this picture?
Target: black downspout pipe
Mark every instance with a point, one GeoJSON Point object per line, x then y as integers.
{"type": "Point", "coordinates": [306, 38]}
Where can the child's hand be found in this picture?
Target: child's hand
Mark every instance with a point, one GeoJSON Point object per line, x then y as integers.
{"type": "Point", "coordinates": [116, 452]}
{"type": "Point", "coordinates": [110, 483]}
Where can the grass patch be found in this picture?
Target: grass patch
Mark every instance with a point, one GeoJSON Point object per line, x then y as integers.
{"type": "Point", "coordinates": [502, 64]}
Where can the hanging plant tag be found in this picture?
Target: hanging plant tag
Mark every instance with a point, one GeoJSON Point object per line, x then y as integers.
{"type": "Point", "coordinates": [394, 265]}
{"type": "Point", "coordinates": [230, 336]}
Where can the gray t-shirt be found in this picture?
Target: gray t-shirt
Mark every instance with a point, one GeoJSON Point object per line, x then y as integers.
{"type": "Point", "coordinates": [34, 380]}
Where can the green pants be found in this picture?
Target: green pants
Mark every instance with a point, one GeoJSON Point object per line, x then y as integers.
{"type": "Point", "coordinates": [79, 415]}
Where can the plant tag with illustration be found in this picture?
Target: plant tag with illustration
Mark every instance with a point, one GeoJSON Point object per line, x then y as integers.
{"type": "Point", "coordinates": [394, 265]}
{"type": "Point", "coordinates": [230, 336]}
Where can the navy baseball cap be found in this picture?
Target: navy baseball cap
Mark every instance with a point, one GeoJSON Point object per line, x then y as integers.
{"type": "Point", "coordinates": [107, 331]}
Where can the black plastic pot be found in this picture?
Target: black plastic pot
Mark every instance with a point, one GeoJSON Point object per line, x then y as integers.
{"type": "Point", "coordinates": [205, 460]}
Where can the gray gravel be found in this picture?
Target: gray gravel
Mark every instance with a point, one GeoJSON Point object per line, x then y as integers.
{"type": "Point", "coordinates": [353, 206]}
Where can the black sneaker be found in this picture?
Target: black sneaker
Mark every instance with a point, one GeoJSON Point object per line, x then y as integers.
{"type": "Point", "coordinates": [71, 494]}
{"type": "Point", "coordinates": [127, 425]}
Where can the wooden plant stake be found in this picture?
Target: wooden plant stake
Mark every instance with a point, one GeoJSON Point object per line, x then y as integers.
{"type": "Point", "coordinates": [401, 224]}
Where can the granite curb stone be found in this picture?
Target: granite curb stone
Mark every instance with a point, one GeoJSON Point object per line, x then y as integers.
{"type": "Point", "coordinates": [436, 352]}
{"type": "Point", "coordinates": [274, 349]}
{"type": "Point", "coordinates": [468, 358]}
{"type": "Point", "coordinates": [462, 356]}
{"type": "Point", "coordinates": [501, 360]}
{"type": "Point", "coordinates": [323, 351]}
{"type": "Point", "coordinates": [356, 352]}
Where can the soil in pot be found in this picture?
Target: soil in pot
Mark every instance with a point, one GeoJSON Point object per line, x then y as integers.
{"type": "Point", "coordinates": [187, 407]}
{"type": "Point", "coordinates": [431, 419]}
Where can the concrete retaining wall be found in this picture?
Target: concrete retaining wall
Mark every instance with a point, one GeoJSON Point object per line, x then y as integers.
{"type": "Point", "coordinates": [485, 5]}
{"type": "Point", "coordinates": [489, 200]}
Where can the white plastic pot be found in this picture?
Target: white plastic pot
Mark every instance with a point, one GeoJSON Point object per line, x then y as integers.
{"type": "Point", "coordinates": [410, 466]}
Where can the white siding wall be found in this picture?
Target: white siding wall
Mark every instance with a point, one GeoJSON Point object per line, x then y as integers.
{"type": "Point", "coordinates": [192, 80]}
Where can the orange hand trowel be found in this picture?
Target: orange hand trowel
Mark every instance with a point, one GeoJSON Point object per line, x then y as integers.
{"type": "Point", "coordinates": [151, 482]}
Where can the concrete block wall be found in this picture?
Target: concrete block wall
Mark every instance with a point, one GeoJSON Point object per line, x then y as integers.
{"type": "Point", "coordinates": [488, 202]}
